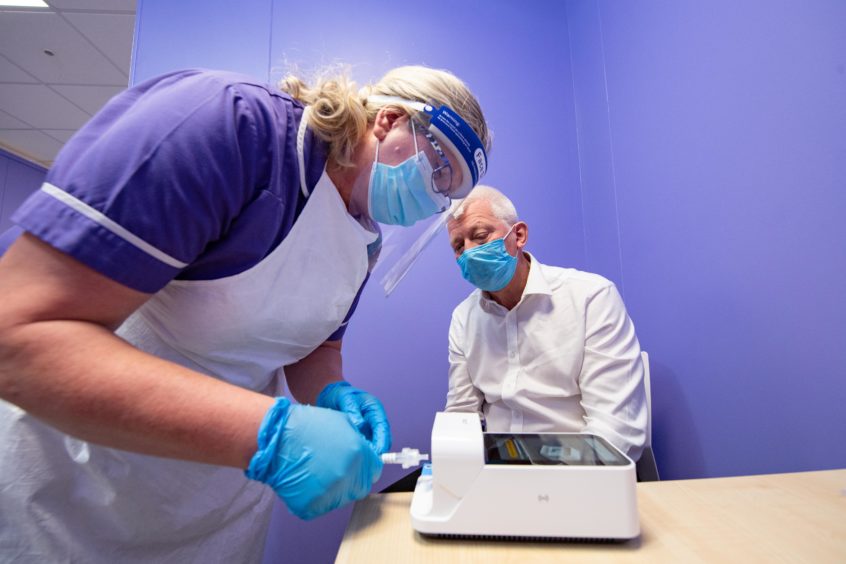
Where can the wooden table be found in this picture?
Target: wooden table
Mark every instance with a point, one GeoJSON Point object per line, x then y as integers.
{"type": "Point", "coordinates": [797, 517]}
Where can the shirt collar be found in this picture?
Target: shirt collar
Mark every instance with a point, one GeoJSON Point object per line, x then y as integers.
{"type": "Point", "coordinates": [536, 283]}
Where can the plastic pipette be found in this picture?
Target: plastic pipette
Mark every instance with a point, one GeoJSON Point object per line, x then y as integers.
{"type": "Point", "coordinates": [408, 457]}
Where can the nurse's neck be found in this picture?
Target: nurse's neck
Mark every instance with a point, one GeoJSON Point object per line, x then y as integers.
{"type": "Point", "coordinates": [350, 179]}
{"type": "Point", "coordinates": [344, 180]}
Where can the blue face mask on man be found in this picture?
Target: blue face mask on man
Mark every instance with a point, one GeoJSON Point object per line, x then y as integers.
{"type": "Point", "coordinates": [403, 194]}
{"type": "Point", "coordinates": [489, 267]}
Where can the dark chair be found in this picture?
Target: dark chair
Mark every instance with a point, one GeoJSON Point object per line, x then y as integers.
{"type": "Point", "coordinates": [647, 469]}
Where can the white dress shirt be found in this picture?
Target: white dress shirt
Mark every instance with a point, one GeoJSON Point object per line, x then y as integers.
{"type": "Point", "coordinates": [564, 359]}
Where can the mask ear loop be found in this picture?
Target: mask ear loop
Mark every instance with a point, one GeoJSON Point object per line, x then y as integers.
{"type": "Point", "coordinates": [414, 135]}
{"type": "Point", "coordinates": [504, 237]}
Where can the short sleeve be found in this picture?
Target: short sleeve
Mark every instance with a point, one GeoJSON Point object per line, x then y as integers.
{"type": "Point", "coordinates": [157, 176]}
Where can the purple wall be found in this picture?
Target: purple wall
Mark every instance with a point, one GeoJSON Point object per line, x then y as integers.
{"type": "Point", "coordinates": [216, 34]}
{"type": "Point", "coordinates": [18, 179]}
{"type": "Point", "coordinates": [713, 159]}
{"type": "Point", "coordinates": [691, 152]}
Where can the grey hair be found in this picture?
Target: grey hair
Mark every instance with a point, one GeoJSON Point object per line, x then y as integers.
{"type": "Point", "coordinates": [501, 206]}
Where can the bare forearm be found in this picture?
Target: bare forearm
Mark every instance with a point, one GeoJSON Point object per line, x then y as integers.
{"type": "Point", "coordinates": [307, 378]}
{"type": "Point", "coordinates": [85, 381]}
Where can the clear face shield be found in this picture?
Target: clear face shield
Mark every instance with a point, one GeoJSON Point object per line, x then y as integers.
{"type": "Point", "coordinates": [409, 200]}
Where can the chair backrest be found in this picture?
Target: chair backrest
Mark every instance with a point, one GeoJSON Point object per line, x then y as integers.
{"type": "Point", "coordinates": [647, 468]}
{"type": "Point", "coordinates": [646, 386]}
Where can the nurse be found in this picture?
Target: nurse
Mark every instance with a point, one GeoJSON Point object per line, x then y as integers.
{"type": "Point", "coordinates": [203, 238]}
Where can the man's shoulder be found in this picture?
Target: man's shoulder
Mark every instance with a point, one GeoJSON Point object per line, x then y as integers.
{"type": "Point", "coordinates": [468, 304]}
{"type": "Point", "coordinates": [560, 277]}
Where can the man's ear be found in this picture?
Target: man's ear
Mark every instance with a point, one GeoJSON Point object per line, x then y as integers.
{"type": "Point", "coordinates": [521, 234]}
{"type": "Point", "coordinates": [388, 118]}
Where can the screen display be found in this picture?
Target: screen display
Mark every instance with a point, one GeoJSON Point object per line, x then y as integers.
{"type": "Point", "coordinates": [567, 449]}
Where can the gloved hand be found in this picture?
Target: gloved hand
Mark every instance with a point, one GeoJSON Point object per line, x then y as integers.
{"type": "Point", "coordinates": [364, 410]}
{"type": "Point", "coordinates": [313, 458]}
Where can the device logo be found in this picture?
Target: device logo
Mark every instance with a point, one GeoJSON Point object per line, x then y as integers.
{"type": "Point", "coordinates": [544, 497]}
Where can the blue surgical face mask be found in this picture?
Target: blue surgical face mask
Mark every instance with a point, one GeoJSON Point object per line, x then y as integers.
{"type": "Point", "coordinates": [402, 194]}
{"type": "Point", "coordinates": [489, 266]}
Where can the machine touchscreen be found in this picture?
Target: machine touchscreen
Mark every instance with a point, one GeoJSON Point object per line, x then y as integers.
{"type": "Point", "coordinates": [568, 449]}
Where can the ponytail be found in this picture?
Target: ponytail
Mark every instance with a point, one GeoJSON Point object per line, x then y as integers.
{"type": "Point", "coordinates": [337, 113]}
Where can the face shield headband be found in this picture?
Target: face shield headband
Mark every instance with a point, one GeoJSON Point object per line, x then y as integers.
{"type": "Point", "coordinates": [455, 133]}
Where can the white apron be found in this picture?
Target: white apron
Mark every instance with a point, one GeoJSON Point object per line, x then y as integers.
{"type": "Point", "coordinates": [62, 499]}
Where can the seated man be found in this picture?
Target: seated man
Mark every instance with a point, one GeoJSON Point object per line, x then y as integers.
{"type": "Point", "coordinates": [538, 348]}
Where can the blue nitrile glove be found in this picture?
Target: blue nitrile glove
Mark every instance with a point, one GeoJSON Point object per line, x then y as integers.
{"type": "Point", "coordinates": [364, 410]}
{"type": "Point", "coordinates": [313, 458]}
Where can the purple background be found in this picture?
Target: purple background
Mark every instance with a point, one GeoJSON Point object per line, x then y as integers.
{"type": "Point", "coordinates": [692, 152]}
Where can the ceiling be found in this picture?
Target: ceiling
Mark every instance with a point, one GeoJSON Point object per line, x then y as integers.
{"type": "Point", "coordinates": [58, 66]}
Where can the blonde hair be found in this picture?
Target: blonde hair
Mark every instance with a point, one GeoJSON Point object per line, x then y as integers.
{"type": "Point", "coordinates": [341, 114]}
{"type": "Point", "coordinates": [502, 208]}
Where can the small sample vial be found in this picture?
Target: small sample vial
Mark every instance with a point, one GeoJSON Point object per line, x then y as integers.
{"type": "Point", "coordinates": [408, 457]}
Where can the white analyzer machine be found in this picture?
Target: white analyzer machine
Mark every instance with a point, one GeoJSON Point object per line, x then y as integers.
{"type": "Point", "coordinates": [524, 485]}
